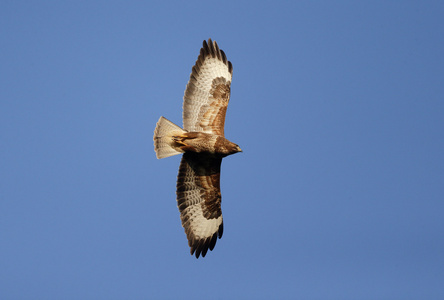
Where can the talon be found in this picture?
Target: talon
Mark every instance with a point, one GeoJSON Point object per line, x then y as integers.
{"type": "Point", "coordinates": [179, 140]}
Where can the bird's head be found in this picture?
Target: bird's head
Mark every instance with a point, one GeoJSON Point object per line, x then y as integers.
{"type": "Point", "coordinates": [233, 148]}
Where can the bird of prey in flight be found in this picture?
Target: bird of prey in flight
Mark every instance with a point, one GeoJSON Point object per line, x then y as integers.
{"type": "Point", "coordinates": [203, 145]}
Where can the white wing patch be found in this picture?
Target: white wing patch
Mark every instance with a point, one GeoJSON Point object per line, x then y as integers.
{"type": "Point", "coordinates": [200, 226]}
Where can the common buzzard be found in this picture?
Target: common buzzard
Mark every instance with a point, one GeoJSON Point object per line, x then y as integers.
{"type": "Point", "coordinates": [203, 145]}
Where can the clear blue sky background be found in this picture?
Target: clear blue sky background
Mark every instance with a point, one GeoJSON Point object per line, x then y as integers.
{"type": "Point", "coordinates": [338, 106]}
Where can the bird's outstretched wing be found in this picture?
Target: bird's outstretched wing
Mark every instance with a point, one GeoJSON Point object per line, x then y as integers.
{"type": "Point", "coordinates": [199, 200]}
{"type": "Point", "coordinates": [208, 91]}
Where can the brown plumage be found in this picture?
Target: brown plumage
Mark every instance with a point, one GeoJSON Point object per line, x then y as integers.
{"type": "Point", "coordinates": [203, 145]}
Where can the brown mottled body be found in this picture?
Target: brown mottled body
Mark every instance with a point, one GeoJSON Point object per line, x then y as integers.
{"type": "Point", "coordinates": [201, 142]}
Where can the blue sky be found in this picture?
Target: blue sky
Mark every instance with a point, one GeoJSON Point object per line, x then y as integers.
{"type": "Point", "coordinates": [337, 105]}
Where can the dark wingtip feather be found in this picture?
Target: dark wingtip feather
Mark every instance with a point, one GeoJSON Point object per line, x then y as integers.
{"type": "Point", "coordinates": [205, 246]}
{"type": "Point", "coordinates": [213, 242]}
{"type": "Point", "coordinates": [205, 49]}
{"type": "Point", "coordinates": [221, 230]}
{"type": "Point", "coordinates": [211, 48]}
{"type": "Point", "coordinates": [200, 247]}
{"type": "Point", "coordinates": [218, 54]}
{"type": "Point", "coordinates": [230, 67]}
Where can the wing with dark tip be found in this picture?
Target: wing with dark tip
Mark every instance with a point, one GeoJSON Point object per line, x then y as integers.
{"type": "Point", "coordinates": [199, 201]}
{"type": "Point", "coordinates": [208, 91]}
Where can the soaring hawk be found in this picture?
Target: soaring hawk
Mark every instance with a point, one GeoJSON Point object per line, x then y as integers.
{"type": "Point", "coordinates": [203, 145]}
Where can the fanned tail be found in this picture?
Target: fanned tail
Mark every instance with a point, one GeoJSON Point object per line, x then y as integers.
{"type": "Point", "coordinates": [163, 141]}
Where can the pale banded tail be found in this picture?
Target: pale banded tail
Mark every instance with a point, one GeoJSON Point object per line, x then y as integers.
{"type": "Point", "coordinates": [163, 138]}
